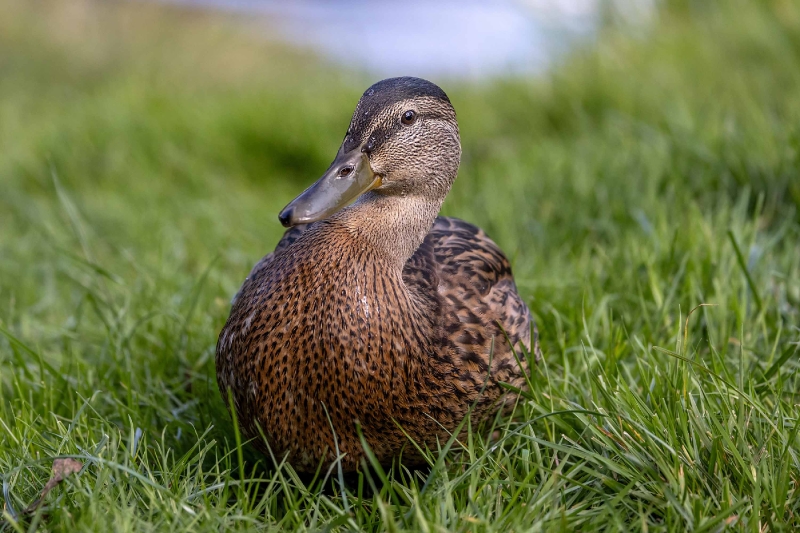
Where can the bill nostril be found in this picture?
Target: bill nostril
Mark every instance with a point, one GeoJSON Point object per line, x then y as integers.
{"type": "Point", "coordinates": [286, 217]}
{"type": "Point", "coordinates": [345, 171]}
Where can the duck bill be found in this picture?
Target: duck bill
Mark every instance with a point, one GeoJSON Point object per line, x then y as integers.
{"type": "Point", "coordinates": [348, 177]}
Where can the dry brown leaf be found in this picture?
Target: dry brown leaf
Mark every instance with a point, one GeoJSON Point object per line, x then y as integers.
{"type": "Point", "coordinates": [62, 469]}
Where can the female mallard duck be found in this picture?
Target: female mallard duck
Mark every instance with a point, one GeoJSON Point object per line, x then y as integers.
{"type": "Point", "coordinates": [378, 313]}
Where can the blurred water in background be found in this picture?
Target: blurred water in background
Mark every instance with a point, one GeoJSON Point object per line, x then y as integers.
{"type": "Point", "coordinates": [445, 38]}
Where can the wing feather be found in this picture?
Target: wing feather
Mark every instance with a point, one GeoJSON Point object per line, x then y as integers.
{"type": "Point", "coordinates": [480, 302]}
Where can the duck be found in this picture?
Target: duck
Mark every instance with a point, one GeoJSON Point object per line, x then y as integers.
{"type": "Point", "coordinates": [376, 323]}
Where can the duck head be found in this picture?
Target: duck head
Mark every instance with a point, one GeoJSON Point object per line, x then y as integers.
{"type": "Point", "coordinates": [403, 140]}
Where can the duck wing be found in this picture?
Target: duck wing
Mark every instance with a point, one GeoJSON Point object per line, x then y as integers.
{"type": "Point", "coordinates": [479, 302]}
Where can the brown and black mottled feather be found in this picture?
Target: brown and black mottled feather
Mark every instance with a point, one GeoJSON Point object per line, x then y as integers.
{"type": "Point", "coordinates": [410, 353]}
{"type": "Point", "coordinates": [480, 305]}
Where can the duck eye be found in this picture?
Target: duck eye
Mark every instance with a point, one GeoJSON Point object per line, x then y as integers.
{"type": "Point", "coordinates": [408, 117]}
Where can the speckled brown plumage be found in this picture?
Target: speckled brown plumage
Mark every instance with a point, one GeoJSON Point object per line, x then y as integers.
{"type": "Point", "coordinates": [382, 314]}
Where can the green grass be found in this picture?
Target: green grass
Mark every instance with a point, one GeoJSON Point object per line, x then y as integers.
{"type": "Point", "coordinates": [145, 153]}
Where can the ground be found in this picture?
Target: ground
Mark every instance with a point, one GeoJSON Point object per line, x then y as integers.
{"type": "Point", "coordinates": [145, 153]}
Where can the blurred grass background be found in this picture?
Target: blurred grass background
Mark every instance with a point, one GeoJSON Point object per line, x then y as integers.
{"type": "Point", "coordinates": [145, 152]}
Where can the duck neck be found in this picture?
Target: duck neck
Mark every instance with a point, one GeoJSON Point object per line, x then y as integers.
{"type": "Point", "coordinates": [394, 226]}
